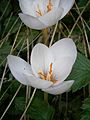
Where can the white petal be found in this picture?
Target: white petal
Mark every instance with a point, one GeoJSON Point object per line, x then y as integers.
{"type": "Point", "coordinates": [18, 64]}
{"type": "Point", "coordinates": [42, 5]}
{"type": "Point", "coordinates": [59, 89]}
{"type": "Point", "coordinates": [55, 3]}
{"type": "Point", "coordinates": [62, 68]}
{"type": "Point", "coordinates": [51, 17]}
{"type": "Point", "coordinates": [31, 21]}
{"type": "Point", "coordinates": [36, 82]}
{"type": "Point", "coordinates": [41, 58]}
{"type": "Point", "coordinates": [18, 68]}
{"type": "Point", "coordinates": [66, 5]}
{"type": "Point", "coordinates": [30, 80]}
{"type": "Point", "coordinates": [64, 48]}
{"type": "Point", "coordinates": [21, 70]}
{"type": "Point", "coordinates": [19, 76]}
{"type": "Point", "coordinates": [27, 7]}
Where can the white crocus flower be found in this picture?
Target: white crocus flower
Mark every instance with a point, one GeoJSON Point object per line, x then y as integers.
{"type": "Point", "coordinates": [39, 14]}
{"type": "Point", "coordinates": [49, 66]}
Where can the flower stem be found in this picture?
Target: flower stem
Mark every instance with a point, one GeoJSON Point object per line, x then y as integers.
{"type": "Point", "coordinates": [52, 38]}
{"type": "Point", "coordinates": [45, 36]}
{"type": "Point", "coordinates": [28, 88]}
{"type": "Point", "coordinates": [45, 41]}
{"type": "Point", "coordinates": [46, 97]}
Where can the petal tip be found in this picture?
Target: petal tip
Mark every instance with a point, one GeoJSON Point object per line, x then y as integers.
{"type": "Point", "coordinates": [9, 57]}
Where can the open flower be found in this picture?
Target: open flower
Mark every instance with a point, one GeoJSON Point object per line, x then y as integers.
{"type": "Point", "coordinates": [39, 14]}
{"type": "Point", "coordinates": [49, 66]}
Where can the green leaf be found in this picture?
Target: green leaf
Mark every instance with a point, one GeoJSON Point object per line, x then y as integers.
{"type": "Point", "coordinates": [18, 106]}
{"type": "Point", "coordinates": [13, 25]}
{"type": "Point", "coordinates": [40, 111]}
{"type": "Point", "coordinates": [14, 87]}
{"type": "Point", "coordinates": [4, 51]}
{"type": "Point", "coordinates": [5, 5]}
{"type": "Point", "coordinates": [86, 109]}
{"type": "Point", "coordinates": [74, 108]}
{"type": "Point", "coordinates": [81, 2]}
{"type": "Point", "coordinates": [80, 72]}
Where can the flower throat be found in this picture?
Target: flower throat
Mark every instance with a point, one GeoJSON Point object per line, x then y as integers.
{"type": "Point", "coordinates": [49, 76]}
{"type": "Point", "coordinates": [48, 8]}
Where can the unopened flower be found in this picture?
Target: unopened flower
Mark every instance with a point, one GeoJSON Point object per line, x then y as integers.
{"type": "Point", "coordinates": [49, 66]}
{"type": "Point", "coordinates": [39, 14]}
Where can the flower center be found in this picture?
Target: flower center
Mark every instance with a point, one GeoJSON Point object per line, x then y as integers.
{"type": "Point", "coordinates": [49, 76]}
{"type": "Point", "coordinates": [49, 7]}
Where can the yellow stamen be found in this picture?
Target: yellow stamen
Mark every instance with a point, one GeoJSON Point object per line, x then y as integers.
{"type": "Point", "coordinates": [41, 74]}
{"type": "Point", "coordinates": [50, 71]}
{"type": "Point", "coordinates": [49, 76]}
{"type": "Point", "coordinates": [49, 6]}
{"type": "Point", "coordinates": [39, 12]}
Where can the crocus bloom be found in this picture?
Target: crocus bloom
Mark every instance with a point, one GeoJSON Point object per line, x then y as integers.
{"type": "Point", "coordinates": [39, 14]}
{"type": "Point", "coordinates": [49, 66]}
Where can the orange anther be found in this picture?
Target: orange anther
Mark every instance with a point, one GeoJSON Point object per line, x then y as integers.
{"type": "Point", "coordinates": [49, 6]}
{"type": "Point", "coordinates": [50, 70]}
{"type": "Point", "coordinates": [49, 76]}
{"type": "Point", "coordinates": [41, 74]}
{"type": "Point", "coordinates": [39, 12]}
